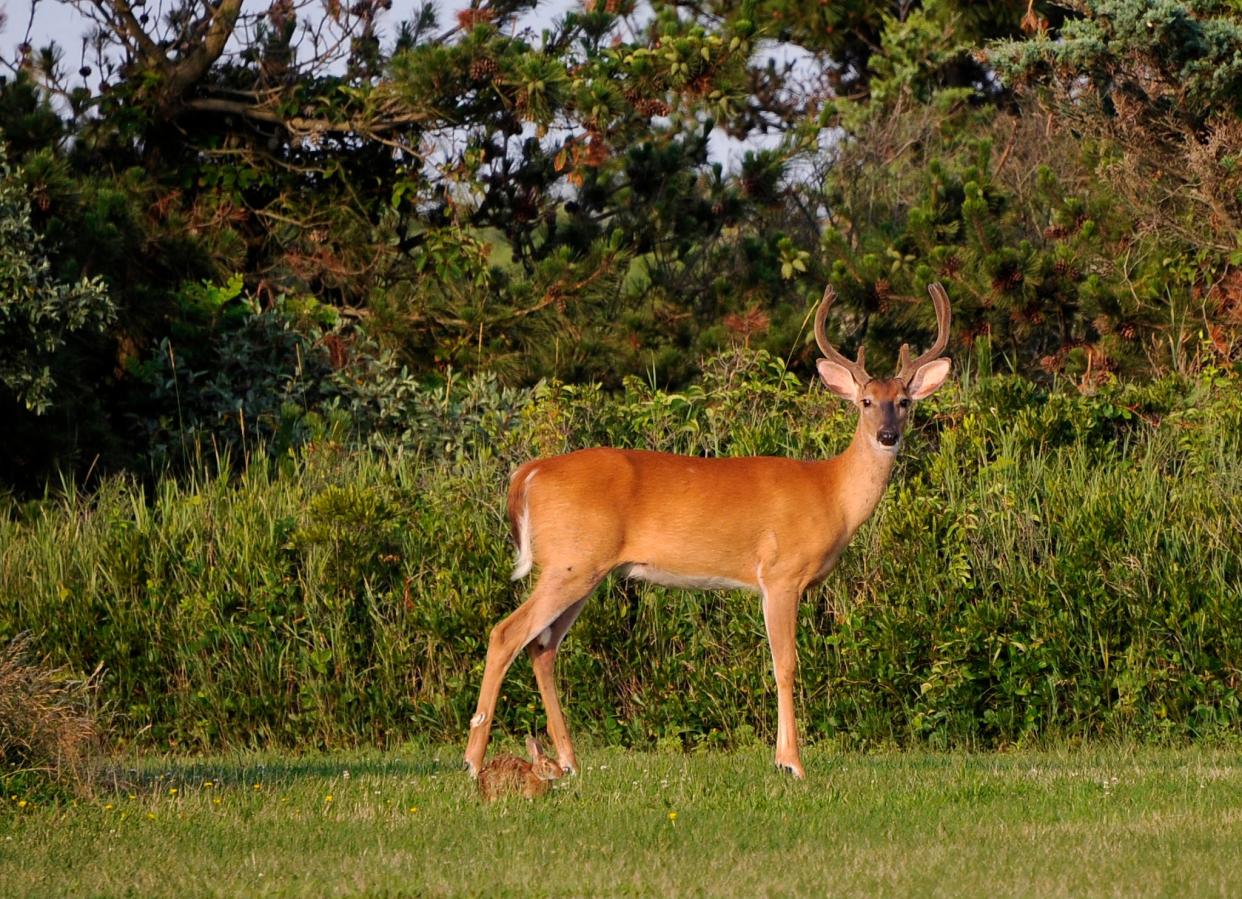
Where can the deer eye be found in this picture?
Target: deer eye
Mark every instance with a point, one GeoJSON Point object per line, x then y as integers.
{"type": "Point", "coordinates": [866, 402]}
{"type": "Point", "coordinates": [904, 402]}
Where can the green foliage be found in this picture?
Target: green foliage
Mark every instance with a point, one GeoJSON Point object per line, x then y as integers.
{"type": "Point", "coordinates": [233, 376]}
{"type": "Point", "coordinates": [882, 48]}
{"type": "Point", "coordinates": [1159, 86]}
{"type": "Point", "coordinates": [475, 196]}
{"type": "Point", "coordinates": [1046, 265]}
{"type": "Point", "coordinates": [1171, 58]}
{"type": "Point", "coordinates": [1046, 564]}
{"type": "Point", "coordinates": [39, 314]}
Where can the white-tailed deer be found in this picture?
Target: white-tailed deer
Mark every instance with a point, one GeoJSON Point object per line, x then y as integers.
{"type": "Point", "coordinates": [771, 525]}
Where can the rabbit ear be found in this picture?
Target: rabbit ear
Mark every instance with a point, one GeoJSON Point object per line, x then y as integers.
{"type": "Point", "coordinates": [533, 748]}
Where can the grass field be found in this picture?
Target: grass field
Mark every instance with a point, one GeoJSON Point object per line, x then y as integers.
{"type": "Point", "coordinates": [1103, 821]}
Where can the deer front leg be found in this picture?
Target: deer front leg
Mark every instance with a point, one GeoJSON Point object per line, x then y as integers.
{"type": "Point", "coordinates": [780, 616]}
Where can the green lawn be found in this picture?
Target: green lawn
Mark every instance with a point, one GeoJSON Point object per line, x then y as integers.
{"type": "Point", "coordinates": [1102, 821]}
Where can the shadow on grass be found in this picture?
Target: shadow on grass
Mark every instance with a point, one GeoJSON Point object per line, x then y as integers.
{"type": "Point", "coordinates": [250, 770]}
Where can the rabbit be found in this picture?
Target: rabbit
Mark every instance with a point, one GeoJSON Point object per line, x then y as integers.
{"type": "Point", "coordinates": [508, 775]}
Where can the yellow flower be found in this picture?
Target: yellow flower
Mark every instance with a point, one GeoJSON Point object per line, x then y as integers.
{"type": "Point", "coordinates": [108, 807]}
{"type": "Point", "coordinates": [151, 815]}
{"type": "Point", "coordinates": [208, 784]}
{"type": "Point", "coordinates": [328, 798]}
{"type": "Point", "coordinates": [21, 803]}
{"type": "Point", "coordinates": [258, 787]}
{"type": "Point", "coordinates": [413, 808]}
{"type": "Point", "coordinates": [215, 802]}
{"type": "Point", "coordinates": [172, 791]}
{"type": "Point", "coordinates": [672, 816]}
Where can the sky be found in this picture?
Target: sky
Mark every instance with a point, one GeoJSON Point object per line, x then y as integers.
{"type": "Point", "coordinates": [52, 20]}
{"type": "Point", "coordinates": [57, 20]}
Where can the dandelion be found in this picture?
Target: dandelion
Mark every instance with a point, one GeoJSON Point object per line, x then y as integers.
{"type": "Point", "coordinates": [108, 807]}
{"type": "Point", "coordinates": [413, 808]}
{"type": "Point", "coordinates": [172, 791]}
{"type": "Point", "coordinates": [21, 803]}
{"type": "Point", "coordinates": [328, 798]}
{"type": "Point", "coordinates": [215, 802]}
{"type": "Point", "coordinates": [258, 787]}
{"type": "Point", "coordinates": [151, 816]}
{"type": "Point", "coordinates": [672, 816]}
{"type": "Point", "coordinates": [207, 785]}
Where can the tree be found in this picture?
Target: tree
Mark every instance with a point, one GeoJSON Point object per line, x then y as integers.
{"type": "Point", "coordinates": [468, 193]}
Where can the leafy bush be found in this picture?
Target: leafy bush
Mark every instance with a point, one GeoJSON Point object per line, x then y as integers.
{"type": "Point", "coordinates": [232, 376]}
{"type": "Point", "coordinates": [45, 323]}
{"type": "Point", "coordinates": [37, 312]}
{"type": "Point", "coordinates": [1046, 564]}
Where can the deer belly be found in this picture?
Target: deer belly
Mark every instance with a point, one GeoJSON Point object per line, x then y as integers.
{"type": "Point", "coordinates": [653, 575]}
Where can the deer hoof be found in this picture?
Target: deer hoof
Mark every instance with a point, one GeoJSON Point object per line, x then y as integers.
{"type": "Point", "coordinates": [791, 768]}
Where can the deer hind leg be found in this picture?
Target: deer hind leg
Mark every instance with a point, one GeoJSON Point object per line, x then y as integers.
{"type": "Point", "coordinates": [551, 598]}
{"type": "Point", "coordinates": [780, 616]}
{"type": "Point", "coordinates": [543, 660]}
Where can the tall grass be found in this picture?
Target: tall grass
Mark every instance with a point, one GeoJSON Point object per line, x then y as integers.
{"type": "Point", "coordinates": [1044, 565]}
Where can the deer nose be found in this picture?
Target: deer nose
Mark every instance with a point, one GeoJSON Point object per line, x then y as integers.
{"type": "Point", "coordinates": [888, 437]}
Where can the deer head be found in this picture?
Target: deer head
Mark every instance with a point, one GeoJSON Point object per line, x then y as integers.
{"type": "Point", "coordinates": [884, 403]}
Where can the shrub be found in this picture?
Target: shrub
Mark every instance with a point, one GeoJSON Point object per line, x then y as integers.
{"type": "Point", "coordinates": [1046, 564]}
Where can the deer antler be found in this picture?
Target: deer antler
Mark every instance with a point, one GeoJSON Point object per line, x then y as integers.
{"type": "Point", "coordinates": [821, 315]}
{"type": "Point", "coordinates": [906, 368]}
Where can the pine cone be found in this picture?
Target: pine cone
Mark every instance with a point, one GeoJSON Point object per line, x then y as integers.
{"type": "Point", "coordinates": [482, 69]}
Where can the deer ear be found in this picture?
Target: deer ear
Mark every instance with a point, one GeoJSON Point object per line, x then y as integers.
{"type": "Point", "coordinates": [838, 379]}
{"type": "Point", "coordinates": [929, 378]}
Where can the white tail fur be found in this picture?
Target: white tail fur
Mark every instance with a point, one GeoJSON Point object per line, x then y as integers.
{"type": "Point", "coordinates": [525, 559]}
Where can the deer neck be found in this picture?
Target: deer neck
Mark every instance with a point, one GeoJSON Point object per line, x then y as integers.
{"type": "Point", "coordinates": [862, 472]}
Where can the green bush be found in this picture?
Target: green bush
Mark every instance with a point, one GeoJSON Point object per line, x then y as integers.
{"type": "Point", "coordinates": [1046, 564]}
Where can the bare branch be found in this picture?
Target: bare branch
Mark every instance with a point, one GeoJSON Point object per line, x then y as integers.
{"type": "Point", "coordinates": [194, 66]}
{"type": "Point", "coordinates": [302, 125]}
{"type": "Point", "coordinates": [126, 24]}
